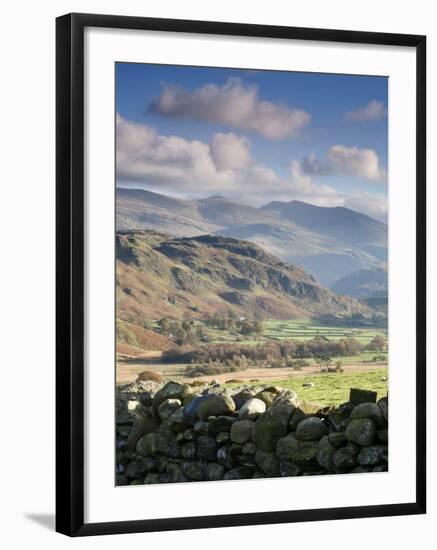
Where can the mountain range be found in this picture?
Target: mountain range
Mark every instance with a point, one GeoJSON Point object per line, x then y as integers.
{"type": "Point", "coordinates": [329, 242]}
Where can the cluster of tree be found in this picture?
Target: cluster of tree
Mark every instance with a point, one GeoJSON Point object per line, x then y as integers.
{"type": "Point", "coordinates": [218, 367]}
{"type": "Point", "coordinates": [184, 332]}
{"type": "Point", "coordinates": [378, 343]}
{"type": "Point", "coordinates": [378, 319]}
{"type": "Point", "coordinates": [232, 323]}
{"type": "Point", "coordinates": [264, 354]}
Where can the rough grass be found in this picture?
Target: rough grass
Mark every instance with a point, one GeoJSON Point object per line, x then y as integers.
{"type": "Point", "coordinates": [333, 389]}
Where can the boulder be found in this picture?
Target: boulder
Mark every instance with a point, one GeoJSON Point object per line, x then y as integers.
{"type": "Point", "coordinates": [326, 453]}
{"type": "Point", "coordinates": [361, 431]}
{"type": "Point", "coordinates": [296, 417]}
{"type": "Point", "coordinates": [242, 396]}
{"type": "Point", "coordinates": [226, 457]}
{"type": "Point", "coordinates": [241, 431]}
{"type": "Point", "coordinates": [249, 448]}
{"type": "Point", "coordinates": [171, 390]}
{"type": "Point", "coordinates": [383, 405]}
{"type": "Point", "coordinates": [206, 448]}
{"type": "Point", "coordinates": [271, 426]}
{"type": "Point", "coordinates": [252, 408]}
{"type": "Point", "coordinates": [286, 397]}
{"type": "Point", "coordinates": [216, 406]}
{"type": "Point", "coordinates": [241, 472]}
{"type": "Point", "coordinates": [166, 444]}
{"type": "Point", "coordinates": [267, 462]}
{"type": "Point", "coordinates": [266, 397]}
{"type": "Point", "coordinates": [194, 470]}
{"type": "Point", "coordinates": [297, 451]}
{"type": "Point", "coordinates": [374, 455]}
{"type": "Point", "coordinates": [189, 450]}
{"type": "Point", "coordinates": [147, 445]}
{"type": "Point", "coordinates": [174, 473]}
{"type": "Point", "coordinates": [191, 409]}
{"type": "Point", "coordinates": [214, 471]}
{"type": "Point", "coordinates": [337, 439]}
{"type": "Point", "coordinates": [141, 427]}
{"type": "Point", "coordinates": [223, 437]}
{"type": "Point", "coordinates": [382, 435]}
{"type": "Point", "coordinates": [311, 429]}
{"type": "Point", "coordinates": [288, 468]}
{"type": "Point", "coordinates": [344, 460]}
{"type": "Point", "coordinates": [168, 407]}
{"type": "Point", "coordinates": [369, 410]}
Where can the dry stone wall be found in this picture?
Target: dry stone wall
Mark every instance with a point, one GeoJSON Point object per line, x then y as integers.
{"type": "Point", "coordinates": [169, 433]}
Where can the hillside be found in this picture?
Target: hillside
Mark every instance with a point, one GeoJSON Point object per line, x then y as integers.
{"type": "Point", "coordinates": [162, 276]}
{"type": "Point", "coordinates": [366, 283]}
{"type": "Point", "coordinates": [328, 242]}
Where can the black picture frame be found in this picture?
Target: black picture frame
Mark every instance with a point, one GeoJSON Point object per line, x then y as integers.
{"type": "Point", "coordinates": [70, 273]}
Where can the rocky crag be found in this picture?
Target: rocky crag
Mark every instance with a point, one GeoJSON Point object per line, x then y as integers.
{"type": "Point", "coordinates": [172, 432]}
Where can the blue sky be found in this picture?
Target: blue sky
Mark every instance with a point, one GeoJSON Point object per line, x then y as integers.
{"type": "Point", "coordinates": [253, 135]}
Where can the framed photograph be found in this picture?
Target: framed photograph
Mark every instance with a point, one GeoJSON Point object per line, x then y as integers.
{"type": "Point", "coordinates": [240, 274]}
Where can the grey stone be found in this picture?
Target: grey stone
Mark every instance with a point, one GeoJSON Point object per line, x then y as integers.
{"type": "Point", "coordinates": [383, 405]}
{"type": "Point", "coordinates": [216, 406]}
{"type": "Point", "coordinates": [343, 460]}
{"type": "Point", "coordinates": [252, 408]}
{"type": "Point", "coordinates": [141, 427]}
{"type": "Point", "coordinates": [191, 409]}
{"type": "Point", "coordinates": [297, 416]}
{"type": "Point", "coordinates": [166, 444]}
{"type": "Point", "coordinates": [241, 431]}
{"type": "Point", "coordinates": [311, 429]}
{"type": "Point", "coordinates": [168, 407]}
{"type": "Point", "coordinates": [222, 437]}
{"type": "Point", "coordinates": [242, 396]}
{"type": "Point", "coordinates": [241, 472]}
{"type": "Point", "coordinates": [214, 471]}
{"type": "Point", "coordinates": [337, 439]}
{"type": "Point", "coordinates": [271, 426]}
{"type": "Point", "coordinates": [249, 448]}
{"type": "Point", "coordinates": [189, 450]}
{"type": "Point", "coordinates": [267, 462]}
{"type": "Point", "coordinates": [206, 447]}
{"type": "Point", "coordinates": [297, 451]}
{"type": "Point", "coordinates": [152, 478]}
{"type": "Point", "coordinates": [171, 390]}
{"type": "Point", "coordinates": [361, 431]}
{"type": "Point", "coordinates": [147, 445]}
{"type": "Point", "coordinates": [369, 410]}
{"type": "Point", "coordinates": [174, 473]}
{"type": "Point", "coordinates": [289, 469]}
{"type": "Point", "coordinates": [195, 470]}
{"type": "Point", "coordinates": [374, 455]}
{"type": "Point", "coordinates": [326, 453]}
{"type": "Point", "coordinates": [382, 435]}
{"type": "Point", "coordinates": [226, 457]}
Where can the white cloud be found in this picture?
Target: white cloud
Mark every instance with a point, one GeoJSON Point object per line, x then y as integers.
{"type": "Point", "coordinates": [170, 164]}
{"type": "Point", "coordinates": [233, 104]}
{"type": "Point", "coordinates": [374, 110]}
{"type": "Point", "coordinates": [230, 152]}
{"type": "Point", "coordinates": [346, 161]}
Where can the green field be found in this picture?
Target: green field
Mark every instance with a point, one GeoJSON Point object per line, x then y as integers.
{"type": "Point", "coordinates": [333, 389]}
{"type": "Point", "coordinates": [302, 330]}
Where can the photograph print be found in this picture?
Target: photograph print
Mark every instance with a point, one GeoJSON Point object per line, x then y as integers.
{"type": "Point", "coordinates": [251, 277]}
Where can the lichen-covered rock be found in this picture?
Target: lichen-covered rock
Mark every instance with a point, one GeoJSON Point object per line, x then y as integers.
{"type": "Point", "coordinates": [252, 408]}
{"type": "Point", "coordinates": [337, 439]}
{"type": "Point", "coordinates": [214, 471]}
{"type": "Point", "coordinates": [216, 406]}
{"type": "Point", "coordinates": [286, 397]}
{"type": "Point", "coordinates": [241, 472]}
{"type": "Point", "coordinates": [202, 428]}
{"type": "Point", "coordinates": [241, 431]}
{"type": "Point", "coordinates": [271, 426]}
{"type": "Point", "coordinates": [223, 437]}
{"type": "Point", "coordinates": [288, 468]}
{"type": "Point", "coordinates": [268, 463]}
{"type": "Point", "coordinates": [242, 396]}
{"type": "Point", "coordinates": [383, 405]}
{"type": "Point", "coordinates": [297, 451]}
{"type": "Point", "coordinates": [141, 427]}
{"type": "Point", "coordinates": [373, 455]}
{"type": "Point", "coordinates": [326, 453]}
{"type": "Point", "coordinates": [168, 407]}
{"type": "Point", "coordinates": [296, 417]}
{"type": "Point", "coordinates": [361, 431]}
{"type": "Point", "coordinates": [194, 470]}
{"type": "Point", "coordinates": [369, 410]}
{"type": "Point", "coordinates": [249, 448]}
{"type": "Point", "coordinates": [344, 460]}
{"type": "Point", "coordinates": [174, 473]}
{"type": "Point", "coordinates": [166, 444]}
{"type": "Point", "coordinates": [147, 445]}
{"type": "Point", "coordinates": [191, 409]}
{"type": "Point", "coordinates": [310, 429]}
{"type": "Point", "coordinates": [189, 450]}
{"type": "Point", "coordinates": [206, 447]}
{"type": "Point", "coordinates": [226, 457]}
{"type": "Point", "coordinates": [171, 390]}
{"type": "Point", "coordinates": [266, 397]}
